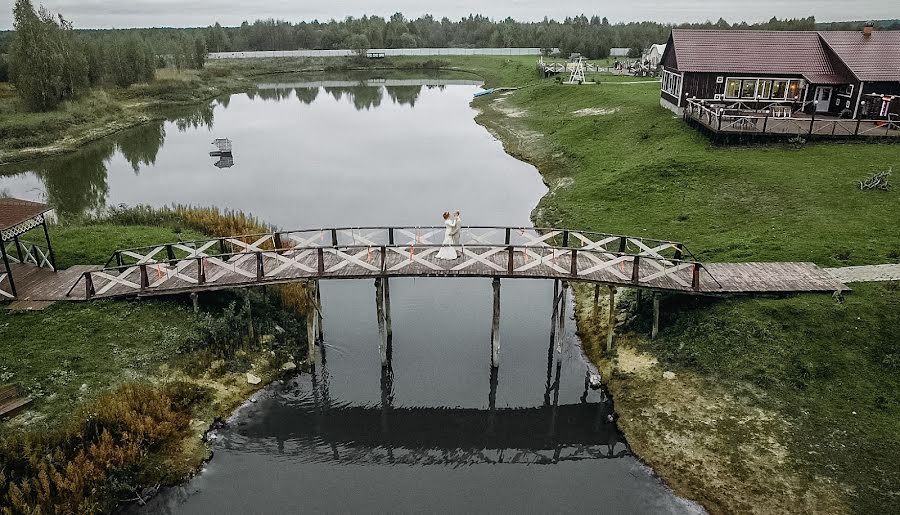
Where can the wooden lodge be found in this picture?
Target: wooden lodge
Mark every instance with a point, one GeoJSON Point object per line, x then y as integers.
{"type": "Point", "coordinates": [762, 83]}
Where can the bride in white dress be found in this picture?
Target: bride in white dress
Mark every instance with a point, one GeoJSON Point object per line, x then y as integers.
{"type": "Point", "coordinates": [447, 251]}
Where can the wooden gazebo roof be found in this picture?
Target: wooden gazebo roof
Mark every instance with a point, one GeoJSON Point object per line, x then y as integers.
{"type": "Point", "coordinates": [18, 216]}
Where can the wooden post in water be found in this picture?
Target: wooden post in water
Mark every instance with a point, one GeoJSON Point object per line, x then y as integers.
{"type": "Point", "coordinates": [320, 334]}
{"type": "Point", "coordinates": [387, 310]}
{"type": "Point", "coordinates": [555, 311]}
{"type": "Point", "coordinates": [562, 315]}
{"type": "Point", "coordinates": [611, 319]}
{"type": "Point", "coordinates": [312, 321]}
{"type": "Point", "coordinates": [655, 329]}
{"type": "Point", "coordinates": [495, 325]}
{"type": "Point", "coordinates": [379, 314]}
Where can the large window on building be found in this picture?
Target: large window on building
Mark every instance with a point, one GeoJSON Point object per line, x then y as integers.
{"type": "Point", "coordinates": [763, 89]}
{"type": "Point", "coordinates": [671, 83]}
{"type": "Point", "coordinates": [733, 88]}
{"type": "Point", "coordinates": [748, 88]}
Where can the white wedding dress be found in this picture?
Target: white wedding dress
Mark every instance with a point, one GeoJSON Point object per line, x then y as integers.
{"type": "Point", "coordinates": [447, 252]}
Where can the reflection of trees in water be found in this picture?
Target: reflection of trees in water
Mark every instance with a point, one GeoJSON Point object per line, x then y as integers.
{"type": "Point", "coordinates": [74, 183]}
{"type": "Point", "coordinates": [277, 94]}
{"type": "Point", "coordinates": [404, 95]}
{"type": "Point", "coordinates": [307, 95]}
{"type": "Point", "coordinates": [140, 146]}
{"type": "Point", "coordinates": [202, 116]}
{"type": "Point", "coordinates": [224, 100]}
{"type": "Point", "coordinates": [362, 96]}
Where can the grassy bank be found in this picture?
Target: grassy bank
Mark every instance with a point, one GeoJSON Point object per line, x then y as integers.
{"type": "Point", "coordinates": [775, 405]}
{"type": "Point", "coordinates": [124, 390]}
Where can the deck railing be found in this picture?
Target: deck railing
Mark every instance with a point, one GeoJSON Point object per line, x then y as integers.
{"type": "Point", "coordinates": [352, 253]}
{"type": "Point", "coordinates": [21, 251]}
{"type": "Point", "coordinates": [733, 120]}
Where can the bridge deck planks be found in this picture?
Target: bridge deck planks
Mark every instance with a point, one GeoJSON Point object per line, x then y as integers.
{"type": "Point", "coordinates": [40, 285]}
{"type": "Point", "coordinates": [715, 279]}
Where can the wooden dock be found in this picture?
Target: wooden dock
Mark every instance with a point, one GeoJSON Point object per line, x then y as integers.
{"type": "Point", "coordinates": [490, 252]}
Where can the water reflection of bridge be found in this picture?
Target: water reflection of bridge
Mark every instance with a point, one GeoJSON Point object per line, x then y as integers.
{"type": "Point", "coordinates": [306, 423]}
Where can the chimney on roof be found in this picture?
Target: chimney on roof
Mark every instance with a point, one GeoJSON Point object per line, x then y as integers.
{"type": "Point", "coordinates": [869, 28]}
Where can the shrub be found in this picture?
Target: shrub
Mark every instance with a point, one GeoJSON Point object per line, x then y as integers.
{"type": "Point", "coordinates": [86, 465]}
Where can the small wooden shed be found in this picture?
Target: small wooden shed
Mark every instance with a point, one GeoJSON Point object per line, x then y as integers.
{"type": "Point", "coordinates": [18, 217]}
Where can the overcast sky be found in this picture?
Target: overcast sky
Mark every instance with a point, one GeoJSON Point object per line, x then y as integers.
{"type": "Point", "coordinates": [192, 13]}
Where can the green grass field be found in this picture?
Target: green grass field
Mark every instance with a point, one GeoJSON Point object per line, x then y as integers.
{"type": "Point", "coordinates": [635, 168]}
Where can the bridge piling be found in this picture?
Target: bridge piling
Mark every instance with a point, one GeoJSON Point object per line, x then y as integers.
{"type": "Point", "coordinates": [387, 310]}
{"type": "Point", "coordinates": [562, 316]}
{"type": "Point", "coordinates": [611, 319]}
{"type": "Point", "coordinates": [495, 325]}
{"type": "Point", "coordinates": [379, 315]}
{"type": "Point", "coordinates": [312, 321]}
{"type": "Point", "coordinates": [320, 333]}
{"type": "Point", "coordinates": [655, 331]}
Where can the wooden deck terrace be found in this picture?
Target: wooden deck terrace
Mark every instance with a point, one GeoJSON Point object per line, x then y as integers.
{"type": "Point", "coordinates": [719, 121]}
{"type": "Point", "coordinates": [494, 252]}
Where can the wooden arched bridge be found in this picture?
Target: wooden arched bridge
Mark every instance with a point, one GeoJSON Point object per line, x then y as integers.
{"type": "Point", "coordinates": [384, 252]}
{"type": "Point", "coordinates": [381, 252]}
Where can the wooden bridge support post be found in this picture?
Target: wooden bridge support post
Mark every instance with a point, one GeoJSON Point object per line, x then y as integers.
{"type": "Point", "coordinates": [495, 325]}
{"type": "Point", "coordinates": [379, 314]}
{"type": "Point", "coordinates": [312, 322]}
{"type": "Point", "coordinates": [596, 298]}
{"type": "Point", "coordinates": [563, 295]}
{"type": "Point", "coordinates": [611, 319]}
{"type": "Point", "coordinates": [195, 300]}
{"type": "Point", "coordinates": [320, 325]}
{"type": "Point", "coordinates": [655, 330]}
{"type": "Point", "coordinates": [550, 352]}
{"type": "Point", "coordinates": [387, 311]}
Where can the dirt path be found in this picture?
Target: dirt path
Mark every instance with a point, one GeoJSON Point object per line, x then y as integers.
{"type": "Point", "coordinates": [866, 274]}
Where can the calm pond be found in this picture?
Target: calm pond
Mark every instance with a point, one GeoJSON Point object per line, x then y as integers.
{"type": "Point", "coordinates": [438, 431]}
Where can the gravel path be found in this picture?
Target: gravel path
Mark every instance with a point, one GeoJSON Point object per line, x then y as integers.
{"type": "Point", "coordinates": [866, 274]}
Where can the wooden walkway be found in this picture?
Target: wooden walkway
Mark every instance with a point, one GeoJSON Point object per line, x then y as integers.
{"type": "Point", "coordinates": [494, 252]}
{"type": "Point", "coordinates": [38, 286]}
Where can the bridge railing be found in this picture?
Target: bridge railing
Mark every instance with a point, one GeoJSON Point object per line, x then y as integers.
{"type": "Point", "coordinates": [262, 262]}
{"type": "Point", "coordinates": [424, 235]}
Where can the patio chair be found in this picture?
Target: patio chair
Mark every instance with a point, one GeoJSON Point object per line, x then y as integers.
{"type": "Point", "coordinates": [893, 121]}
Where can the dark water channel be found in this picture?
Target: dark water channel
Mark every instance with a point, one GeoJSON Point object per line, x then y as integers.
{"type": "Point", "coordinates": [438, 431]}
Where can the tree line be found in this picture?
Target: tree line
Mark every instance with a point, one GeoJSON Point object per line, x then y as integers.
{"type": "Point", "coordinates": [592, 37]}
{"type": "Point", "coordinates": [50, 62]}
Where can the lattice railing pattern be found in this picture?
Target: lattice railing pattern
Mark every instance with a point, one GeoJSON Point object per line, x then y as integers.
{"type": "Point", "coordinates": [16, 230]}
{"type": "Point", "coordinates": [28, 252]}
{"type": "Point", "coordinates": [379, 252]}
